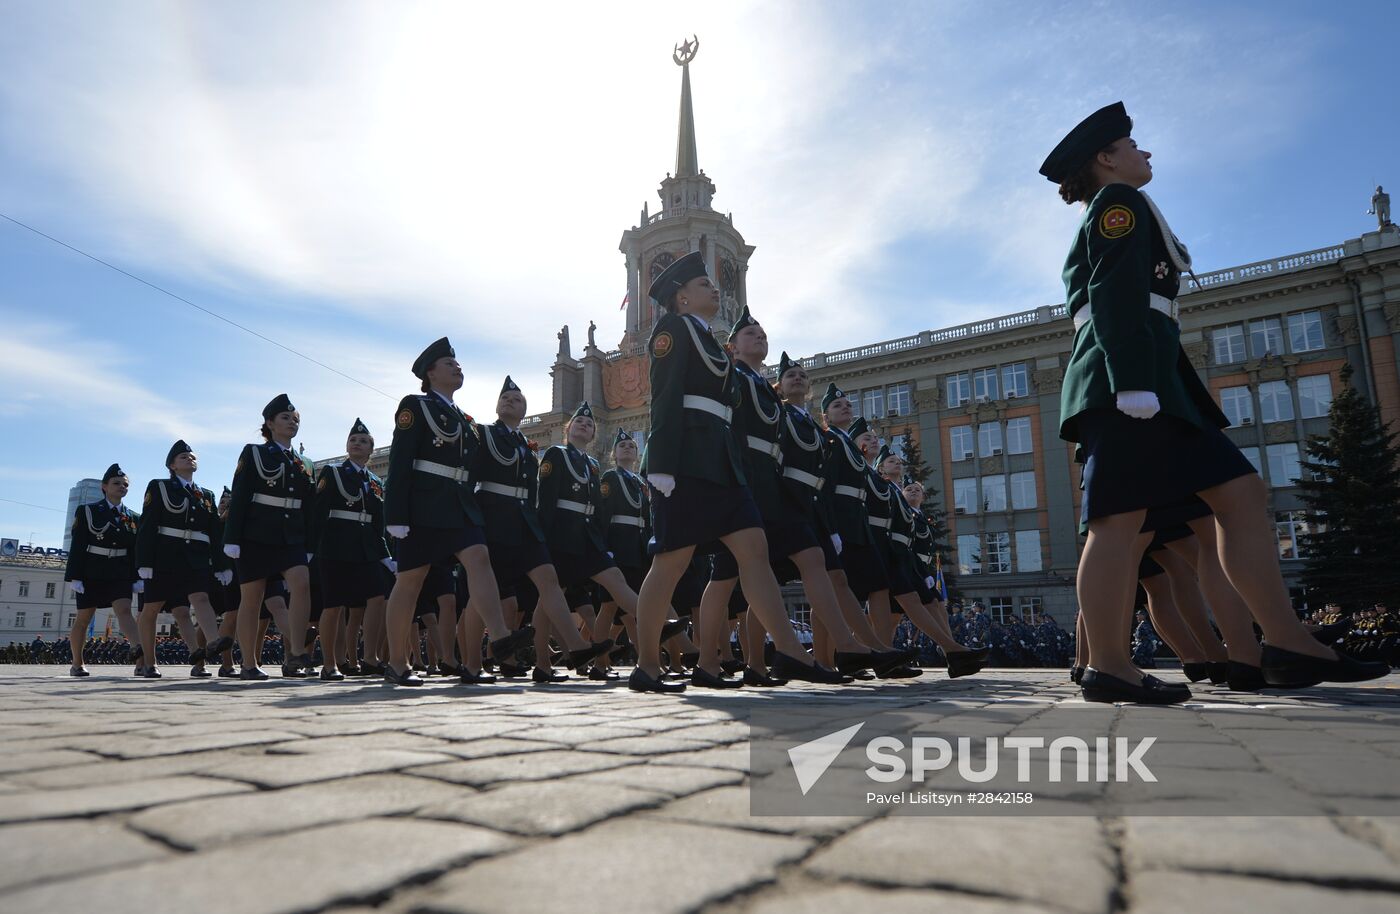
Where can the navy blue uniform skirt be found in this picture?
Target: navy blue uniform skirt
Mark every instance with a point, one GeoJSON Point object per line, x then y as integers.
{"type": "Point", "coordinates": [699, 512]}
{"type": "Point", "coordinates": [349, 583]}
{"type": "Point", "coordinates": [865, 569]}
{"type": "Point", "coordinates": [784, 540]}
{"type": "Point", "coordinates": [260, 561]}
{"type": "Point", "coordinates": [1131, 464]}
{"type": "Point", "coordinates": [102, 594]}
{"type": "Point", "coordinates": [575, 569]}
{"type": "Point", "coordinates": [904, 578]}
{"type": "Point", "coordinates": [166, 585]}
{"type": "Point", "coordinates": [427, 545]}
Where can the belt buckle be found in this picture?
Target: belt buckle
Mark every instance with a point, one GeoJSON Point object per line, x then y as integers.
{"type": "Point", "coordinates": [1176, 311]}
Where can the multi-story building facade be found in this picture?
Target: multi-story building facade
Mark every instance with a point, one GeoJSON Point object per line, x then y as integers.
{"type": "Point", "coordinates": [34, 601]}
{"type": "Point", "coordinates": [84, 492]}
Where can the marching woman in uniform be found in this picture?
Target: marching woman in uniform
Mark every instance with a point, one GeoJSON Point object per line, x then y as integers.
{"type": "Point", "coordinates": [626, 522]}
{"type": "Point", "coordinates": [226, 602]}
{"type": "Point", "coordinates": [269, 533]}
{"type": "Point", "coordinates": [693, 463]}
{"type": "Point", "coordinates": [348, 541]}
{"type": "Point", "coordinates": [1150, 431]}
{"type": "Point", "coordinates": [929, 591]}
{"type": "Point", "coordinates": [102, 563]}
{"type": "Point", "coordinates": [177, 554]}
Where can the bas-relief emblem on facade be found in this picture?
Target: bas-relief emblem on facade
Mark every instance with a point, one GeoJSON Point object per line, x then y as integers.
{"type": "Point", "coordinates": [928, 399]}
{"type": "Point", "coordinates": [1347, 329]}
{"type": "Point", "coordinates": [986, 412]}
{"type": "Point", "coordinates": [1196, 354]}
{"type": "Point", "coordinates": [1277, 431]}
{"type": "Point", "coordinates": [1047, 380]}
{"type": "Point", "coordinates": [1392, 316]}
{"type": "Point", "coordinates": [991, 465]}
{"type": "Point", "coordinates": [626, 383]}
{"type": "Point", "coordinates": [1271, 367]}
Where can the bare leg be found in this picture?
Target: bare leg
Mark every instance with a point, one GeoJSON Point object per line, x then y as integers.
{"type": "Point", "coordinates": [146, 624]}
{"type": "Point", "coordinates": [250, 601]}
{"type": "Point", "coordinates": [485, 590]}
{"type": "Point", "coordinates": [654, 603]}
{"type": "Point", "coordinates": [353, 625]}
{"type": "Point", "coordinates": [544, 654]}
{"type": "Point", "coordinates": [1081, 641]}
{"type": "Point", "coordinates": [710, 619]}
{"type": "Point", "coordinates": [121, 609]}
{"type": "Point", "coordinates": [856, 619]}
{"type": "Point", "coordinates": [924, 619]}
{"type": "Point", "coordinates": [77, 634]}
{"type": "Point", "coordinates": [825, 606]}
{"type": "Point", "coordinates": [330, 634]}
{"type": "Point", "coordinates": [206, 617]}
{"type": "Point", "coordinates": [1167, 621]}
{"type": "Point", "coordinates": [1231, 613]}
{"type": "Point", "coordinates": [882, 619]}
{"type": "Point", "coordinates": [755, 639]}
{"type": "Point", "coordinates": [1186, 594]}
{"type": "Point", "coordinates": [403, 599]}
{"type": "Point", "coordinates": [185, 626]}
{"type": "Point", "coordinates": [447, 630]}
{"type": "Point", "coordinates": [299, 614]}
{"type": "Point", "coordinates": [1106, 581]}
{"type": "Point", "coordinates": [750, 550]}
{"type": "Point", "coordinates": [603, 627]}
{"type": "Point", "coordinates": [470, 632]}
{"type": "Point", "coordinates": [374, 629]}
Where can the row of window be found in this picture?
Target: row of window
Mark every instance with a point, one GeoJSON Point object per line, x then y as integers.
{"type": "Point", "coordinates": [994, 493]}
{"type": "Point", "coordinates": [1006, 381]}
{"type": "Point", "coordinates": [45, 620]}
{"type": "Point", "coordinates": [991, 553]}
{"type": "Point", "coordinates": [1284, 467]}
{"type": "Point", "coordinates": [881, 402]}
{"type": "Point", "coordinates": [1265, 337]}
{"type": "Point", "coordinates": [1003, 609]}
{"type": "Point", "coordinates": [50, 589]}
{"type": "Point", "coordinates": [991, 440]}
{"type": "Point", "coordinates": [1276, 401]}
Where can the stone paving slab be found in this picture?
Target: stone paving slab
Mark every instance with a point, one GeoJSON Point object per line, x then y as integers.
{"type": "Point", "coordinates": [352, 797]}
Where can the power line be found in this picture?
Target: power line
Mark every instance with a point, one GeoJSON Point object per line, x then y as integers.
{"type": "Point", "coordinates": [180, 298]}
{"type": "Point", "coordinates": [28, 505]}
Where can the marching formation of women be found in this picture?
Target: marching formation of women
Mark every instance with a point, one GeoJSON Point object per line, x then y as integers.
{"type": "Point", "coordinates": [503, 553]}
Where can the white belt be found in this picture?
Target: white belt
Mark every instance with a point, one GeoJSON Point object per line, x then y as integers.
{"type": "Point", "coordinates": [185, 535]}
{"type": "Point", "coordinates": [1167, 306]}
{"type": "Point", "coordinates": [850, 492]}
{"type": "Point", "coordinates": [706, 405]}
{"type": "Point", "coordinates": [771, 448]}
{"type": "Point", "coordinates": [880, 522]}
{"type": "Point", "coordinates": [802, 476]}
{"type": "Point", "coordinates": [275, 502]}
{"type": "Point", "coordinates": [103, 550]}
{"type": "Point", "coordinates": [628, 520]}
{"type": "Point", "coordinates": [361, 516]}
{"type": "Point", "coordinates": [458, 474]}
{"type": "Point", "coordinates": [575, 506]}
{"type": "Point", "coordinates": [496, 488]}
{"type": "Point", "coordinates": [900, 538]}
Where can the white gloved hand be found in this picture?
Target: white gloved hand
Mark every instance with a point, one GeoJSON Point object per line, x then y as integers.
{"type": "Point", "coordinates": [928, 582]}
{"type": "Point", "coordinates": [224, 577]}
{"type": "Point", "coordinates": [145, 573]}
{"type": "Point", "coordinates": [390, 564]}
{"type": "Point", "coordinates": [1140, 404]}
{"type": "Point", "coordinates": [139, 587]}
{"type": "Point", "coordinates": [310, 556]}
{"type": "Point", "coordinates": [397, 532]}
{"type": "Point", "coordinates": [663, 483]}
{"type": "Point", "coordinates": [836, 541]}
{"type": "Point", "coordinates": [232, 551]}
{"type": "Point", "coordinates": [75, 586]}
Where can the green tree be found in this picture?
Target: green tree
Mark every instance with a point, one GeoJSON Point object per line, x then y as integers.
{"type": "Point", "coordinates": [1353, 501]}
{"type": "Point", "coordinates": [918, 471]}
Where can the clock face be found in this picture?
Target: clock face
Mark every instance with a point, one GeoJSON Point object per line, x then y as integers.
{"type": "Point", "coordinates": [660, 262]}
{"type": "Point", "coordinates": [728, 276]}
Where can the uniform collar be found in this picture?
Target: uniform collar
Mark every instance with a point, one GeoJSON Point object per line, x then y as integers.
{"type": "Point", "coordinates": [352, 465]}
{"type": "Point", "coordinates": [743, 366]}
{"type": "Point", "coordinates": [116, 508]}
{"type": "Point", "coordinates": [502, 424]}
{"type": "Point", "coordinates": [442, 398]}
{"type": "Point", "coordinates": [698, 322]}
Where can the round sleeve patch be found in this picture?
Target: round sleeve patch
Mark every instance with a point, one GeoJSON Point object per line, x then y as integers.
{"type": "Point", "coordinates": [321, 484]}
{"type": "Point", "coordinates": [607, 489]}
{"type": "Point", "coordinates": [404, 420]}
{"type": "Point", "coordinates": [546, 468]}
{"type": "Point", "coordinates": [1116, 222]}
{"type": "Point", "coordinates": [147, 502]}
{"type": "Point", "coordinates": [662, 345]}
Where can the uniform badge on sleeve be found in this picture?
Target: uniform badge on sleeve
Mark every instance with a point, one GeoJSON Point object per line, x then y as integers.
{"type": "Point", "coordinates": [661, 346]}
{"type": "Point", "coordinates": [607, 490]}
{"type": "Point", "coordinates": [148, 498]}
{"type": "Point", "coordinates": [404, 419]}
{"type": "Point", "coordinates": [1116, 222]}
{"type": "Point", "coordinates": [321, 485]}
{"type": "Point", "coordinates": [546, 468]}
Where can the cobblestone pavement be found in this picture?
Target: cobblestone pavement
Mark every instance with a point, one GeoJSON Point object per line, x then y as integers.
{"type": "Point", "coordinates": [118, 795]}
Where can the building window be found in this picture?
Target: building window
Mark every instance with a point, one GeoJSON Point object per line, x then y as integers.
{"type": "Point", "coordinates": [1252, 455]}
{"type": "Point", "coordinates": [969, 555]}
{"type": "Point", "coordinates": [1014, 380]}
{"type": "Point", "coordinates": [1023, 490]}
{"type": "Point", "coordinates": [1018, 436]}
{"type": "Point", "coordinates": [965, 495]}
{"type": "Point", "coordinates": [1275, 402]}
{"type": "Point", "coordinates": [24, 588]}
{"type": "Point", "coordinates": [873, 403]}
{"type": "Point", "coordinates": [46, 620]}
{"type": "Point", "coordinates": [899, 444]}
{"type": "Point", "coordinates": [854, 397]}
{"type": "Point", "coordinates": [1284, 469]}
{"type": "Point", "coordinates": [988, 439]}
{"type": "Point", "coordinates": [1000, 609]}
{"type": "Point", "coordinates": [1229, 344]}
{"type": "Point", "coordinates": [898, 400]}
{"type": "Point", "coordinates": [19, 620]}
{"type": "Point", "coordinates": [960, 441]}
{"type": "Point", "coordinates": [959, 389]}
{"type": "Point", "coordinates": [1237, 406]}
{"type": "Point", "coordinates": [1031, 607]}
{"type": "Point", "coordinates": [998, 554]}
{"type": "Point", "coordinates": [71, 617]}
{"type": "Point", "coordinates": [1289, 527]}
{"type": "Point", "coordinates": [1265, 337]}
{"type": "Point", "coordinates": [48, 590]}
{"type": "Point", "coordinates": [1028, 550]}
{"type": "Point", "coordinates": [1314, 396]}
{"type": "Point", "coordinates": [1305, 331]}
{"type": "Point", "coordinates": [994, 493]}
{"type": "Point", "coordinates": [984, 384]}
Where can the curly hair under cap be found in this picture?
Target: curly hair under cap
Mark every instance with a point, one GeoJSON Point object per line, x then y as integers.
{"type": "Point", "coordinates": [1081, 186]}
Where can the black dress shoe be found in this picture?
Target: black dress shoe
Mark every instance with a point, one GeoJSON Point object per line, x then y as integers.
{"type": "Point", "coordinates": [575, 659]}
{"type": "Point", "coordinates": [785, 667]}
{"type": "Point", "coordinates": [673, 628]}
{"type": "Point", "coordinates": [198, 656]}
{"type": "Point", "coordinates": [513, 671]}
{"type": "Point", "coordinates": [732, 666]}
{"type": "Point", "coordinates": [137, 654]}
{"type": "Point", "coordinates": [1195, 671]}
{"type": "Point", "coordinates": [753, 677]}
{"type": "Point", "coordinates": [419, 668]}
{"type": "Point", "coordinates": [981, 653]}
{"type": "Point", "coordinates": [199, 672]}
{"type": "Point", "coordinates": [252, 673]}
{"type": "Point", "coordinates": [961, 663]}
{"type": "Point", "coordinates": [370, 668]}
{"type": "Point", "coordinates": [598, 675]}
{"type": "Point", "coordinates": [863, 675]}
{"type": "Point", "coordinates": [330, 675]}
{"type": "Point", "coordinates": [639, 681]}
{"type": "Point", "coordinates": [547, 677]}
{"type": "Point", "coordinates": [1218, 671]}
{"type": "Point", "coordinates": [1245, 678]}
{"type": "Point", "coordinates": [406, 678]}
{"type": "Point", "coordinates": [702, 679]}
{"type": "Point", "coordinates": [293, 670]}
{"type": "Point", "coordinates": [227, 672]}
{"type": "Point", "coordinates": [1076, 673]}
{"type": "Point", "coordinates": [690, 659]}
{"type": "Point", "coordinates": [1288, 670]}
{"type": "Point", "coordinates": [469, 678]}
{"type": "Point", "coordinates": [503, 649]}
{"type": "Point", "coordinates": [849, 662]}
{"type": "Point", "coordinates": [1328, 634]}
{"type": "Point", "coordinates": [218, 646]}
{"type": "Point", "coordinates": [151, 673]}
{"type": "Point", "coordinates": [901, 672]}
{"type": "Point", "coordinates": [1098, 686]}
{"type": "Point", "coordinates": [78, 672]}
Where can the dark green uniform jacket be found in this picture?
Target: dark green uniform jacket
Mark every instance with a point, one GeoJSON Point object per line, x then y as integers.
{"type": "Point", "coordinates": [626, 517]}
{"type": "Point", "coordinates": [901, 525]}
{"type": "Point", "coordinates": [879, 505]}
{"type": "Point", "coordinates": [271, 498]}
{"type": "Point", "coordinates": [1118, 260]}
{"type": "Point", "coordinates": [923, 543]}
{"type": "Point", "coordinates": [430, 460]}
{"type": "Point", "coordinates": [99, 530]}
{"type": "Point", "coordinates": [756, 423]}
{"type": "Point", "coordinates": [348, 515]}
{"type": "Point", "coordinates": [804, 462]}
{"type": "Point", "coordinates": [569, 478]}
{"type": "Point", "coordinates": [687, 364]}
{"type": "Point", "coordinates": [171, 506]}
{"type": "Point", "coordinates": [506, 475]}
{"type": "Point", "coordinates": [845, 468]}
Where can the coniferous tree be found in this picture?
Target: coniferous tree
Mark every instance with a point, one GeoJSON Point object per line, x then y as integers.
{"type": "Point", "coordinates": [919, 471]}
{"type": "Point", "coordinates": [1353, 500]}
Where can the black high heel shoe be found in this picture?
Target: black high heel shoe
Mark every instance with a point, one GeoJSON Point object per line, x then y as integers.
{"type": "Point", "coordinates": [1098, 686]}
{"type": "Point", "coordinates": [702, 679]}
{"type": "Point", "coordinates": [1288, 670]}
{"type": "Point", "coordinates": [1242, 677]}
{"type": "Point", "coordinates": [1218, 671]}
{"type": "Point", "coordinates": [1195, 671]}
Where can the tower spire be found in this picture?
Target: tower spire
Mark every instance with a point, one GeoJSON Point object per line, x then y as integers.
{"type": "Point", "coordinates": [687, 160]}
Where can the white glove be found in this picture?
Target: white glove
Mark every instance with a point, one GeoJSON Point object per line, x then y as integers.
{"type": "Point", "coordinates": [224, 577]}
{"type": "Point", "coordinates": [663, 483]}
{"type": "Point", "coordinates": [310, 556]}
{"type": "Point", "coordinates": [836, 541]}
{"type": "Point", "coordinates": [390, 564]}
{"type": "Point", "coordinates": [75, 586]}
{"type": "Point", "coordinates": [232, 551]}
{"type": "Point", "coordinates": [1140, 404]}
{"type": "Point", "coordinates": [145, 573]}
{"type": "Point", "coordinates": [139, 587]}
{"type": "Point", "coordinates": [928, 582]}
{"type": "Point", "coordinates": [397, 532]}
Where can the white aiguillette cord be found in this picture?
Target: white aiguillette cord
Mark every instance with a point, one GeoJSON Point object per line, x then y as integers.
{"type": "Point", "coordinates": [1181, 257]}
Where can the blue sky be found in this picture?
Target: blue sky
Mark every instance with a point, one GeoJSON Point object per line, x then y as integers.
{"type": "Point", "coordinates": [357, 179]}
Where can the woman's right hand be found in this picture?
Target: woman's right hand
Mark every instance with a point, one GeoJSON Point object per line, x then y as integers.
{"type": "Point", "coordinates": [232, 551]}
{"type": "Point", "coordinates": [75, 586]}
{"type": "Point", "coordinates": [1139, 404]}
{"type": "Point", "coordinates": [663, 483]}
{"type": "Point", "coordinates": [145, 574]}
{"type": "Point", "coordinates": [397, 531]}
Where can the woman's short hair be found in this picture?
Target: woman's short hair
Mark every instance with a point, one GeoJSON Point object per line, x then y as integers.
{"type": "Point", "coordinates": [265, 432]}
